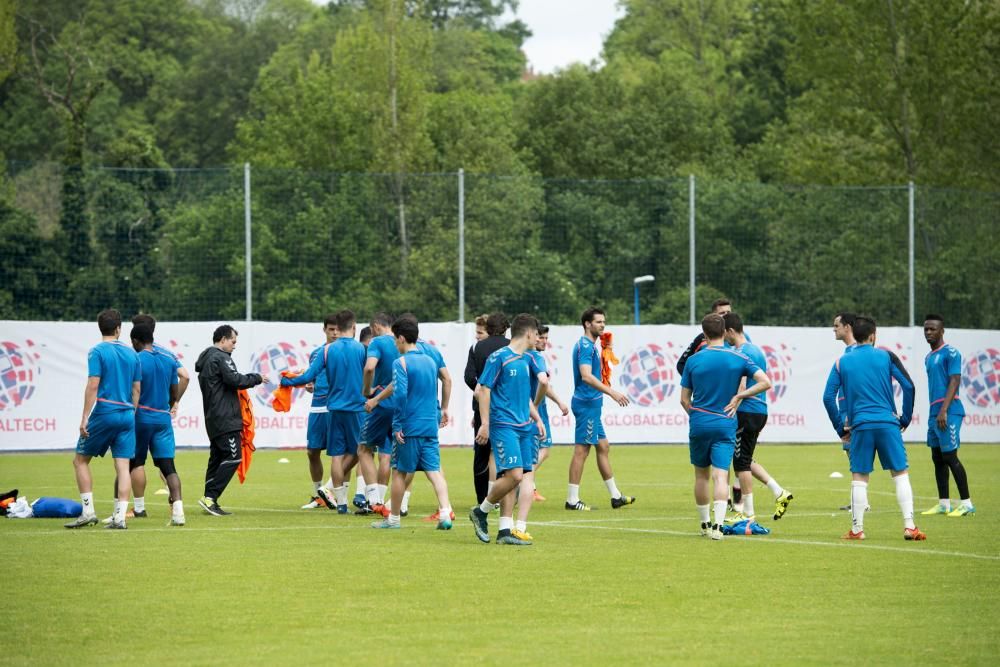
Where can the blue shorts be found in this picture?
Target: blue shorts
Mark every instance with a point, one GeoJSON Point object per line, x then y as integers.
{"type": "Point", "coordinates": [318, 430]}
{"type": "Point", "coordinates": [155, 439]}
{"type": "Point", "coordinates": [109, 429]}
{"type": "Point", "coordinates": [589, 428]}
{"type": "Point", "coordinates": [949, 439]}
{"type": "Point", "coordinates": [376, 434]}
{"type": "Point", "coordinates": [886, 440]}
{"type": "Point", "coordinates": [513, 447]}
{"type": "Point", "coordinates": [417, 453]}
{"type": "Point", "coordinates": [344, 432]}
{"type": "Point", "coordinates": [712, 446]}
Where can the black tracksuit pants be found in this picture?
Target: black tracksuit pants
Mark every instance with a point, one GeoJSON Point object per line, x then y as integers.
{"type": "Point", "coordinates": [225, 454]}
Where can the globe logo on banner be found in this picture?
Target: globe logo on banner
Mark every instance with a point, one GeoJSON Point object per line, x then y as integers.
{"type": "Point", "coordinates": [779, 369]}
{"type": "Point", "coordinates": [270, 360]}
{"type": "Point", "coordinates": [896, 349]}
{"type": "Point", "coordinates": [981, 378]}
{"type": "Point", "coordinates": [17, 374]}
{"type": "Point", "coordinates": [648, 375]}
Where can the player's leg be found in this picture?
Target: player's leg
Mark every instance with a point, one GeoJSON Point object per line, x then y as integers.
{"type": "Point", "coordinates": [224, 457]}
{"type": "Point", "coordinates": [506, 454]}
{"type": "Point", "coordinates": [404, 462]}
{"type": "Point", "coordinates": [85, 484]}
{"type": "Point", "coordinates": [430, 462]}
{"type": "Point", "coordinates": [481, 459]}
{"type": "Point", "coordinates": [892, 457]}
{"type": "Point", "coordinates": [576, 463]}
{"type": "Point", "coordinates": [603, 457]}
{"type": "Point", "coordinates": [949, 452]}
{"type": "Point", "coordinates": [722, 444]}
{"type": "Point", "coordinates": [862, 458]}
{"type": "Point", "coordinates": [941, 474]}
{"type": "Point", "coordinates": [168, 469]}
{"type": "Point", "coordinates": [137, 471]}
{"type": "Point", "coordinates": [698, 452]}
{"type": "Point", "coordinates": [122, 452]}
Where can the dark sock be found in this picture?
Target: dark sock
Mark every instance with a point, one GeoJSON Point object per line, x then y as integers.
{"type": "Point", "coordinates": [940, 472]}
{"type": "Point", "coordinates": [958, 472]}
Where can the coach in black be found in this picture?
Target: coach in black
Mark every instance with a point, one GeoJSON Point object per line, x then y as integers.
{"type": "Point", "coordinates": [496, 326]}
{"type": "Point", "coordinates": [219, 382]}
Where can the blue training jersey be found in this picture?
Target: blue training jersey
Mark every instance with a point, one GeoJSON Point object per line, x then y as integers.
{"type": "Point", "coordinates": [585, 353]}
{"type": "Point", "coordinates": [866, 377]}
{"type": "Point", "coordinates": [432, 352]}
{"type": "Point", "coordinates": [508, 377]}
{"type": "Point", "coordinates": [755, 404]}
{"type": "Point", "coordinates": [321, 385]}
{"type": "Point", "coordinates": [117, 364]}
{"type": "Point", "coordinates": [343, 362]}
{"type": "Point", "coordinates": [416, 412]}
{"type": "Point", "coordinates": [833, 397]}
{"type": "Point", "coordinates": [383, 350]}
{"type": "Point", "coordinates": [162, 350]}
{"type": "Point", "coordinates": [713, 376]}
{"type": "Point", "coordinates": [941, 364]}
{"type": "Point", "coordinates": [159, 374]}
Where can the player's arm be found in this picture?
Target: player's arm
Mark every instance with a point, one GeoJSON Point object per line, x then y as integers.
{"type": "Point", "coordinates": [89, 400]}
{"type": "Point", "coordinates": [537, 418]}
{"type": "Point", "coordinates": [183, 380]}
{"type": "Point", "coordinates": [550, 392]}
{"type": "Point", "coordinates": [483, 396]}
{"type": "Point", "coordinates": [136, 388]}
{"type": "Point", "coordinates": [686, 399]}
{"type": "Point", "coordinates": [402, 387]}
{"type": "Point", "coordinates": [231, 378]}
{"type": "Point", "coordinates": [830, 401]}
{"type": "Point", "coordinates": [587, 376]}
{"type": "Point", "coordinates": [373, 402]}
{"type": "Point", "coordinates": [445, 378]}
{"type": "Point", "coordinates": [368, 376]}
{"type": "Point", "coordinates": [543, 380]}
{"type": "Point", "coordinates": [309, 377]}
{"type": "Point", "coordinates": [761, 384]}
{"type": "Point", "coordinates": [175, 395]}
{"type": "Point", "coordinates": [471, 379]}
{"type": "Point", "coordinates": [949, 395]}
{"type": "Point", "coordinates": [898, 372]}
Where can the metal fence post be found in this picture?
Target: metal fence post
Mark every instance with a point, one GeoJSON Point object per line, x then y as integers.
{"type": "Point", "coordinates": [248, 242]}
{"type": "Point", "coordinates": [913, 281]}
{"type": "Point", "coordinates": [461, 245]}
{"type": "Point", "coordinates": [691, 245]}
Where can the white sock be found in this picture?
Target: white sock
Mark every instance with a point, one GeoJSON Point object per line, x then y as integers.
{"type": "Point", "coordinates": [506, 523]}
{"type": "Point", "coordinates": [945, 503]}
{"type": "Point", "coordinates": [573, 494]}
{"type": "Point", "coordinates": [394, 519]}
{"type": "Point", "coordinates": [775, 487]}
{"type": "Point", "coordinates": [967, 502]}
{"type": "Point", "coordinates": [748, 504]}
{"type": "Point", "coordinates": [87, 500]}
{"type": "Point", "coordinates": [445, 513]}
{"type": "Point", "coordinates": [486, 506]}
{"type": "Point", "coordinates": [703, 513]}
{"type": "Point", "coordinates": [382, 488]}
{"type": "Point", "coordinates": [178, 508]}
{"type": "Point", "coordinates": [521, 526]}
{"type": "Point", "coordinates": [371, 493]}
{"type": "Point", "coordinates": [859, 500]}
{"type": "Point", "coordinates": [612, 488]}
{"type": "Point", "coordinates": [405, 505]}
{"type": "Point", "coordinates": [340, 494]}
{"type": "Point", "coordinates": [904, 496]}
{"type": "Point", "coordinates": [359, 490]}
{"type": "Point", "coordinates": [140, 504]}
{"type": "Point", "coordinates": [329, 484]}
{"type": "Point", "coordinates": [719, 509]}
{"type": "Point", "coordinates": [120, 507]}
{"type": "Point", "coordinates": [316, 487]}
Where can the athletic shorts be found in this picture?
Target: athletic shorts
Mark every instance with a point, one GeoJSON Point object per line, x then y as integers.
{"type": "Point", "coordinates": [712, 446]}
{"type": "Point", "coordinates": [948, 439]}
{"type": "Point", "coordinates": [376, 433]}
{"type": "Point", "coordinates": [886, 440]}
{"type": "Point", "coordinates": [748, 428]}
{"type": "Point", "coordinates": [589, 428]}
{"type": "Point", "coordinates": [155, 439]}
{"type": "Point", "coordinates": [513, 447]}
{"type": "Point", "coordinates": [344, 432]}
{"type": "Point", "coordinates": [114, 430]}
{"type": "Point", "coordinates": [318, 429]}
{"type": "Point", "coordinates": [417, 453]}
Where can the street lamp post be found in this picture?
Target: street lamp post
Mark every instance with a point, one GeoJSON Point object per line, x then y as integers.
{"type": "Point", "coordinates": [635, 284]}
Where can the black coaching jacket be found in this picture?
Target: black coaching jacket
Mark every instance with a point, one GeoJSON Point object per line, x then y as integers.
{"type": "Point", "coordinates": [219, 381]}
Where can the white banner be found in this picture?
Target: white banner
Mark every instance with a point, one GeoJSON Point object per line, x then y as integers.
{"type": "Point", "coordinates": [43, 368]}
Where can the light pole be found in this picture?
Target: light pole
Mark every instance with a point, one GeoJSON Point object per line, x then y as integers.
{"type": "Point", "coordinates": [635, 284]}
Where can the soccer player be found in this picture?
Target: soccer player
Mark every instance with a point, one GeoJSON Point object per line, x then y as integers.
{"type": "Point", "coordinates": [751, 417]}
{"type": "Point", "coordinates": [944, 427]}
{"type": "Point", "coordinates": [109, 404]}
{"type": "Point", "coordinates": [220, 383]}
{"type": "Point", "coordinates": [319, 420]}
{"type": "Point", "coordinates": [483, 471]}
{"type": "Point", "coordinates": [543, 444]}
{"type": "Point", "coordinates": [364, 337]}
{"type": "Point", "coordinates": [415, 424]}
{"type": "Point", "coordinates": [870, 420]}
{"type": "Point", "coordinates": [710, 394]}
{"type": "Point", "coordinates": [154, 434]}
{"type": "Point", "coordinates": [587, 404]}
{"type": "Point", "coordinates": [377, 429]}
{"type": "Point", "coordinates": [343, 362]}
{"type": "Point", "coordinates": [719, 307]}
{"type": "Point", "coordinates": [843, 330]}
{"type": "Point", "coordinates": [509, 422]}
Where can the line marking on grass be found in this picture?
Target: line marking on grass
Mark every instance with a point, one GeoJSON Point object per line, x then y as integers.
{"type": "Point", "coordinates": [778, 540]}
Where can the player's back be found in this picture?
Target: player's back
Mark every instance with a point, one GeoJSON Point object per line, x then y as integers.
{"type": "Point", "coordinates": [866, 378]}
{"type": "Point", "coordinates": [586, 353]}
{"type": "Point", "coordinates": [713, 376]}
{"type": "Point", "coordinates": [345, 365]}
{"type": "Point", "coordinates": [755, 404]}
{"type": "Point", "coordinates": [117, 365]}
{"type": "Point", "coordinates": [507, 375]}
{"type": "Point", "coordinates": [432, 352]}
{"type": "Point", "coordinates": [159, 372]}
{"type": "Point", "coordinates": [415, 374]}
{"type": "Point", "coordinates": [321, 385]}
{"type": "Point", "coordinates": [383, 350]}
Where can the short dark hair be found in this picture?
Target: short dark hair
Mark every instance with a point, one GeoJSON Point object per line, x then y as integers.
{"type": "Point", "coordinates": [143, 318]}
{"type": "Point", "coordinates": [142, 333]}
{"type": "Point", "coordinates": [588, 315]}
{"type": "Point", "coordinates": [365, 334]}
{"type": "Point", "coordinates": [542, 329]}
{"type": "Point", "coordinates": [721, 302]}
{"type": "Point", "coordinates": [108, 320]}
{"type": "Point", "coordinates": [846, 318]}
{"type": "Point", "coordinates": [406, 327]}
{"type": "Point", "coordinates": [496, 324]}
{"type": "Point", "coordinates": [935, 317]}
{"type": "Point", "coordinates": [331, 318]}
{"type": "Point", "coordinates": [481, 320]}
{"type": "Point", "coordinates": [713, 326]}
{"type": "Point", "coordinates": [381, 319]}
{"type": "Point", "coordinates": [345, 320]}
{"type": "Point", "coordinates": [733, 321]}
{"type": "Point", "coordinates": [863, 327]}
{"type": "Point", "coordinates": [224, 331]}
{"type": "Point", "coordinates": [522, 324]}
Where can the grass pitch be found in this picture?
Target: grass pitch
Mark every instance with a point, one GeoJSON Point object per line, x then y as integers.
{"type": "Point", "coordinates": [273, 584]}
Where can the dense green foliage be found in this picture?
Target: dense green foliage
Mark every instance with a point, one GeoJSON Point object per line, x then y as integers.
{"type": "Point", "coordinates": [357, 116]}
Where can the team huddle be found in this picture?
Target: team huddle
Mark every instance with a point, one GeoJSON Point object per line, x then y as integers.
{"type": "Point", "coordinates": [378, 400]}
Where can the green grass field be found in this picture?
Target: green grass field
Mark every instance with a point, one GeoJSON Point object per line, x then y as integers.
{"type": "Point", "coordinates": [273, 584]}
